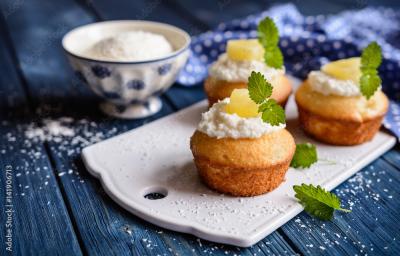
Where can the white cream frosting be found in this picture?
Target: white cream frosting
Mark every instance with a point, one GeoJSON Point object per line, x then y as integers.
{"type": "Point", "coordinates": [217, 123]}
{"type": "Point", "coordinates": [239, 71]}
{"type": "Point", "coordinates": [328, 85]}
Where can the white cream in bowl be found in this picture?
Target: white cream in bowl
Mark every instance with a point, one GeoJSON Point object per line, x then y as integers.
{"type": "Point", "coordinates": [128, 63]}
{"type": "Point", "coordinates": [135, 45]}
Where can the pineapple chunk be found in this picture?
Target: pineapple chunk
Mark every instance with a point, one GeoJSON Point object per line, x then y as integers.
{"type": "Point", "coordinates": [241, 104]}
{"type": "Point", "coordinates": [346, 69]}
{"type": "Point", "coordinates": [245, 50]}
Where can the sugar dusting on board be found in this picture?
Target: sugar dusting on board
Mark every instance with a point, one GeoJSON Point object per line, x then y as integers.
{"type": "Point", "coordinates": [188, 200]}
{"type": "Point", "coordinates": [67, 136]}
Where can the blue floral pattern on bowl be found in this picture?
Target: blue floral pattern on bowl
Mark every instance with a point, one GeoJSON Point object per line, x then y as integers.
{"type": "Point", "coordinates": [164, 69]}
{"type": "Point", "coordinates": [135, 84]}
{"type": "Point", "coordinates": [100, 71]}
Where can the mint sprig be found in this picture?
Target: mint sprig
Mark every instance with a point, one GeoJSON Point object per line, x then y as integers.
{"type": "Point", "coordinates": [317, 201]}
{"type": "Point", "coordinates": [268, 36]}
{"type": "Point", "coordinates": [259, 91]}
{"type": "Point", "coordinates": [304, 156]}
{"type": "Point", "coordinates": [272, 112]}
{"type": "Point", "coordinates": [259, 88]}
{"type": "Point", "coordinates": [371, 59]}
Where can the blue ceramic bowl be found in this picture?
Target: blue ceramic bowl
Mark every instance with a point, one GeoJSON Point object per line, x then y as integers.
{"type": "Point", "coordinates": [130, 89]}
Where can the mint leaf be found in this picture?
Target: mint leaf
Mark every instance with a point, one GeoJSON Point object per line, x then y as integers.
{"type": "Point", "coordinates": [259, 88]}
{"type": "Point", "coordinates": [371, 59]}
{"type": "Point", "coordinates": [272, 113]}
{"type": "Point", "coordinates": [369, 83]}
{"type": "Point", "coordinates": [317, 201]}
{"type": "Point", "coordinates": [268, 36]}
{"type": "Point", "coordinates": [273, 57]}
{"type": "Point", "coordinates": [304, 156]}
{"type": "Point", "coordinates": [268, 33]}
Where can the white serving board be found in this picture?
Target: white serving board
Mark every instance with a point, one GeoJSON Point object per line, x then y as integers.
{"type": "Point", "coordinates": [156, 158]}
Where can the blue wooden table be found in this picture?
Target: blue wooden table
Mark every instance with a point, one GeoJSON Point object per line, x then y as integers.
{"type": "Point", "coordinates": [52, 206]}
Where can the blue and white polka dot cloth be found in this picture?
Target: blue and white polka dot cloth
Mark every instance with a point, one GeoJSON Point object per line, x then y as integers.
{"type": "Point", "coordinates": [309, 41]}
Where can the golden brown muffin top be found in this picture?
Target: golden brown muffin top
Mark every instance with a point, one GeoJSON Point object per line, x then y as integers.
{"type": "Point", "coordinates": [221, 89]}
{"type": "Point", "coordinates": [355, 108]}
{"type": "Point", "coordinates": [270, 149]}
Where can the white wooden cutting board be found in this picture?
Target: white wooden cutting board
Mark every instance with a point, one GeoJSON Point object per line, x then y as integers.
{"type": "Point", "coordinates": [156, 158]}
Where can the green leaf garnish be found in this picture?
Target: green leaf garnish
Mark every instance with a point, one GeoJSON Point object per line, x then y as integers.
{"type": "Point", "coordinates": [272, 112]}
{"type": "Point", "coordinates": [268, 33]}
{"type": "Point", "coordinates": [369, 83]}
{"type": "Point", "coordinates": [317, 201]}
{"type": "Point", "coordinates": [268, 36]}
{"type": "Point", "coordinates": [260, 90]}
{"type": "Point", "coordinates": [274, 58]}
{"type": "Point", "coordinates": [371, 59]}
{"type": "Point", "coordinates": [304, 156]}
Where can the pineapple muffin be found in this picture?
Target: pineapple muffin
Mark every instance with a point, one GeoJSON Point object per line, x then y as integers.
{"type": "Point", "coordinates": [232, 69]}
{"type": "Point", "coordinates": [334, 108]}
{"type": "Point", "coordinates": [236, 152]}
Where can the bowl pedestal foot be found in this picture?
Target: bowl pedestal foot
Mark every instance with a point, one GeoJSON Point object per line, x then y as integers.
{"type": "Point", "coordinates": [132, 111]}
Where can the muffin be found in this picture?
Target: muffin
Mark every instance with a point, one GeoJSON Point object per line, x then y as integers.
{"type": "Point", "coordinates": [232, 69]}
{"type": "Point", "coordinates": [333, 109]}
{"type": "Point", "coordinates": [238, 153]}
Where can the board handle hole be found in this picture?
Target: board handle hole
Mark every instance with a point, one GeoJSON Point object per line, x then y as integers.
{"type": "Point", "coordinates": [155, 193]}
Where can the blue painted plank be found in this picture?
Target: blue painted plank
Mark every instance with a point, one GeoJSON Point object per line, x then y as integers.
{"type": "Point", "coordinates": [39, 222]}
{"type": "Point", "coordinates": [139, 241]}
{"type": "Point", "coordinates": [372, 226]}
{"type": "Point", "coordinates": [211, 12]}
{"type": "Point", "coordinates": [104, 228]}
{"type": "Point", "coordinates": [181, 97]}
{"type": "Point", "coordinates": [154, 10]}
{"type": "Point", "coordinates": [393, 156]}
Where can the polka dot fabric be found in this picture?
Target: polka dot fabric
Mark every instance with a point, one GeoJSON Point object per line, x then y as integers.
{"type": "Point", "coordinates": [307, 42]}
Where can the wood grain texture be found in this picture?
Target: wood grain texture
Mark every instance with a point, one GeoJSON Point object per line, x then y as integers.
{"type": "Point", "coordinates": [372, 226]}
{"type": "Point", "coordinates": [54, 92]}
{"type": "Point", "coordinates": [40, 222]}
{"type": "Point", "coordinates": [104, 228]}
{"type": "Point", "coordinates": [316, 243]}
{"type": "Point", "coordinates": [393, 157]}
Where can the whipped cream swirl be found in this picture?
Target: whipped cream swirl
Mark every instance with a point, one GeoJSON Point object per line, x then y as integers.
{"type": "Point", "coordinates": [239, 71]}
{"type": "Point", "coordinates": [217, 123]}
{"type": "Point", "coordinates": [328, 85]}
